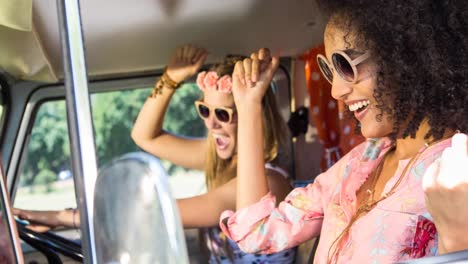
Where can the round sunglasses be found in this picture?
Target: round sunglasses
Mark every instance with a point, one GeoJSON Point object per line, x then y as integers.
{"type": "Point", "coordinates": [222, 114]}
{"type": "Point", "coordinates": [342, 64]}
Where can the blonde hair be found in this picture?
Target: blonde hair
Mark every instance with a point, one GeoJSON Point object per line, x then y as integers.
{"type": "Point", "coordinates": [219, 171]}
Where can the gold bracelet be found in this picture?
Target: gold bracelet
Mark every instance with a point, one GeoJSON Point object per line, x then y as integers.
{"type": "Point", "coordinates": [166, 81]}
{"type": "Point", "coordinates": [158, 88]}
{"type": "Point", "coordinates": [171, 83]}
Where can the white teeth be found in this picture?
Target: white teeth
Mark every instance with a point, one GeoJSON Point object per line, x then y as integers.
{"type": "Point", "coordinates": [218, 136]}
{"type": "Point", "coordinates": [358, 105]}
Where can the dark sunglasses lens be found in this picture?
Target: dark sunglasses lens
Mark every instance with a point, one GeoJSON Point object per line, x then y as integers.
{"type": "Point", "coordinates": [325, 69]}
{"type": "Point", "coordinates": [343, 67]}
{"type": "Point", "coordinates": [222, 115]}
{"type": "Point", "coordinates": [204, 111]}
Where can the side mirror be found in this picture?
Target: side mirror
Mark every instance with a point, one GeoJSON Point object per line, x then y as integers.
{"type": "Point", "coordinates": [136, 220]}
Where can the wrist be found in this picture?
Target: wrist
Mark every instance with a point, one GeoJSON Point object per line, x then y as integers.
{"type": "Point", "coordinates": [75, 220]}
{"type": "Point", "coordinates": [249, 108]}
{"type": "Point", "coordinates": [173, 77]}
{"type": "Point", "coordinates": [161, 88]}
{"type": "Point", "coordinates": [68, 218]}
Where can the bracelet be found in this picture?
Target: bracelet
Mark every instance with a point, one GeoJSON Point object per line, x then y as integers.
{"type": "Point", "coordinates": [158, 88]}
{"type": "Point", "coordinates": [74, 215]}
{"type": "Point", "coordinates": [165, 80]}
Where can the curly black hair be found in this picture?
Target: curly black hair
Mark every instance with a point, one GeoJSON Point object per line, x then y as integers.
{"type": "Point", "coordinates": [421, 48]}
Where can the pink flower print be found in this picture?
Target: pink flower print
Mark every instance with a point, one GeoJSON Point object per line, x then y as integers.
{"type": "Point", "coordinates": [425, 232]}
{"type": "Point", "coordinates": [211, 80]}
{"type": "Point", "coordinates": [200, 79]}
{"type": "Point", "coordinates": [225, 84]}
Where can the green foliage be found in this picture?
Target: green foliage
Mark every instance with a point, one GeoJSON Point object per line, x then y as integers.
{"type": "Point", "coordinates": [46, 177]}
{"type": "Point", "coordinates": [48, 147]}
{"type": "Point", "coordinates": [182, 117]}
{"type": "Point", "coordinates": [114, 113]}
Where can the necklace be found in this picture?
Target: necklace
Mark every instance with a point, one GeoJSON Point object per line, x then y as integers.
{"type": "Point", "coordinates": [369, 202]}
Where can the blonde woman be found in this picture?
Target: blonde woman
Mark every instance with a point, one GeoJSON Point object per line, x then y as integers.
{"type": "Point", "coordinates": [216, 154]}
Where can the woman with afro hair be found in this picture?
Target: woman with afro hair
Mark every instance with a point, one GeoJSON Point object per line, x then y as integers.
{"type": "Point", "coordinates": [401, 68]}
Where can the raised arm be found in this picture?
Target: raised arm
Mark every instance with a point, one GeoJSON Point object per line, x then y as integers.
{"type": "Point", "coordinates": [257, 225]}
{"type": "Point", "coordinates": [251, 79]}
{"type": "Point", "coordinates": [147, 131]}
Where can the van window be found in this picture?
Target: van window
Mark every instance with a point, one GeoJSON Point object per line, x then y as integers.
{"type": "Point", "coordinates": [46, 180]}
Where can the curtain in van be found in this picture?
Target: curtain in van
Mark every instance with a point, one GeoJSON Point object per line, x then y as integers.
{"type": "Point", "coordinates": [22, 54]}
{"type": "Point", "coordinates": [335, 131]}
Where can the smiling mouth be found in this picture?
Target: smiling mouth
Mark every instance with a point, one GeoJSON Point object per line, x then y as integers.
{"type": "Point", "coordinates": [359, 106]}
{"type": "Point", "coordinates": [222, 142]}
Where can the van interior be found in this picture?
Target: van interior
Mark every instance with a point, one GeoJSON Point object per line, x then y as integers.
{"type": "Point", "coordinates": [127, 44]}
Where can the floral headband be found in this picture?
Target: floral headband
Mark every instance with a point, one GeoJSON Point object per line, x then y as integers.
{"type": "Point", "coordinates": [211, 81]}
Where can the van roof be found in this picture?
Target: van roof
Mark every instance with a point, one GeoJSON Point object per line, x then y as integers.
{"type": "Point", "coordinates": [130, 37]}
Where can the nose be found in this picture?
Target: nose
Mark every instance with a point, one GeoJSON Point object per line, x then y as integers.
{"type": "Point", "coordinates": [211, 122]}
{"type": "Point", "coordinates": [340, 89]}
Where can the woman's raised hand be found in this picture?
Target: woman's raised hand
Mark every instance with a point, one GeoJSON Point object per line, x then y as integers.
{"type": "Point", "coordinates": [252, 77]}
{"type": "Point", "coordinates": [445, 184]}
{"type": "Point", "coordinates": [186, 61]}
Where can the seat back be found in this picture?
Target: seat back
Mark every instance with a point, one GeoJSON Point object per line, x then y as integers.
{"type": "Point", "coordinates": [135, 217]}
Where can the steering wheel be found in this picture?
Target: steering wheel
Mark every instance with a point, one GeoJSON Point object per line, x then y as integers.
{"type": "Point", "coordinates": [50, 244]}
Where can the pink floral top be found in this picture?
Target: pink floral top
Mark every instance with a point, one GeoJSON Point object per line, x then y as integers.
{"type": "Point", "coordinates": [398, 228]}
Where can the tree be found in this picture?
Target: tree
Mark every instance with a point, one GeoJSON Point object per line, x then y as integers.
{"type": "Point", "coordinates": [114, 113]}
{"type": "Point", "coordinates": [182, 117]}
{"type": "Point", "coordinates": [46, 177]}
{"type": "Point", "coordinates": [48, 147]}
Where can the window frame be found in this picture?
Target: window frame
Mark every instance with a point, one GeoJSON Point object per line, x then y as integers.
{"type": "Point", "coordinates": [4, 103]}
{"type": "Point", "coordinates": [57, 92]}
